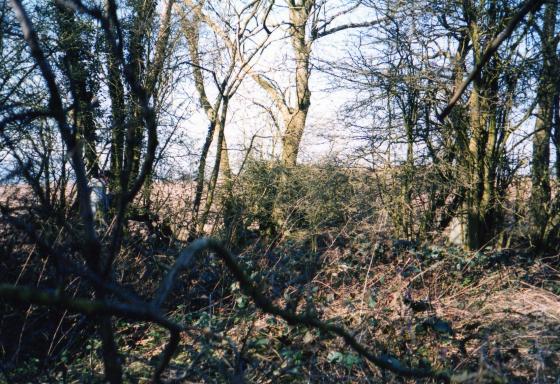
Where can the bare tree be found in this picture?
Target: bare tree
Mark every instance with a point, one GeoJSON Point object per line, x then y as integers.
{"type": "Point", "coordinates": [547, 94]}
{"type": "Point", "coordinates": [308, 21]}
{"type": "Point", "coordinates": [239, 46]}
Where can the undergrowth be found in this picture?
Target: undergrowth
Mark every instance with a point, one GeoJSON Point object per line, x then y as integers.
{"type": "Point", "coordinates": [489, 316]}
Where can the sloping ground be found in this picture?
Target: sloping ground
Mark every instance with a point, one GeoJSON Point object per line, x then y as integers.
{"type": "Point", "coordinates": [487, 317]}
{"type": "Point", "coordinates": [472, 314]}
{"type": "Point", "coordinates": [514, 331]}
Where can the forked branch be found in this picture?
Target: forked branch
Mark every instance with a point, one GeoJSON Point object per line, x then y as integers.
{"type": "Point", "coordinates": [530, 6]}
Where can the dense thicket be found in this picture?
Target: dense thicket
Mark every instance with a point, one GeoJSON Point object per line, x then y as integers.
{"type": "Point", "coordinates": [449, 119]}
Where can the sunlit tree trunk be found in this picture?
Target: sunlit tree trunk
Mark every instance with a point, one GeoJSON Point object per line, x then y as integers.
{"type": "Point", "coordinates": [540, 204]}
{"type": "Point", "coordinates": [296, 117]}
{"type": "Point", "coordinates": [481, 161]}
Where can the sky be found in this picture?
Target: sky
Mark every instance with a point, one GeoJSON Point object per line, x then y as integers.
{"type": "Point", "coordinates": [323, 135]}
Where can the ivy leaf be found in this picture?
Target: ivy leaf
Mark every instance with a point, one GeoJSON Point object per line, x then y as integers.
{"type": "Point", "coordinates": [262, 342]}
{"type": "Point", "coordinates": [440, 326]}
{"type": "Point", "coordinates": [335, 357]}
{"type": "Point", "coordinates": [372, 302]}
{"type": "Point", "coordinates": [350, 360]}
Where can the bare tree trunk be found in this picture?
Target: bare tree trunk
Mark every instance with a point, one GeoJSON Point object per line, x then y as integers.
{"type": "Point", "coordinates": [85, 123]}
{"type": "Point", "coordinates": [474, 191]}
{"type": "Point", "coordinates": [556, 106]}
{"type": "Point", "coordinates": [295, 126]}
{"type": "Point", "coordinates": [294, 115]}
{"type": "Point", "coordinates": [540, 204]}
{"type": "Point", "coordinates": [221, 163]}
{"type": "Point", "coordinates": [294, 121]}
{"type": "Point", "coordinates": [199, 189]}
{"type": "Point", "coordinates": [141, 27]}
{"type": "Point", "coordinates": [540, 177]}
{"type": "Point", "coordinates": [116, 94]}
{"type": "Point", "coordinates": [481, 161]}
{"type": "Point", "coordinates": [408, 179]}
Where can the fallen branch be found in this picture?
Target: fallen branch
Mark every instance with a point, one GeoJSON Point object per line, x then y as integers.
{"type": "Point", "coordinates": [151, 312]}
{"type": "Point", "coordinates": [250, 289]}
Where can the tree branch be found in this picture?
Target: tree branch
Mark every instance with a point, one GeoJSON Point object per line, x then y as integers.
{"type": "Point", "coordinates": [274, 93]}
{"type": "Point", "coordinates": [88, 307]}
{"type": "Point", "coordinates": [530, 6]}
{"type": "Point", "coordinates": [348, 26]}
{"type": "Point", "coordinates": [248, 287]}
{"type": "Point", "coordinates": [91, 244]}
